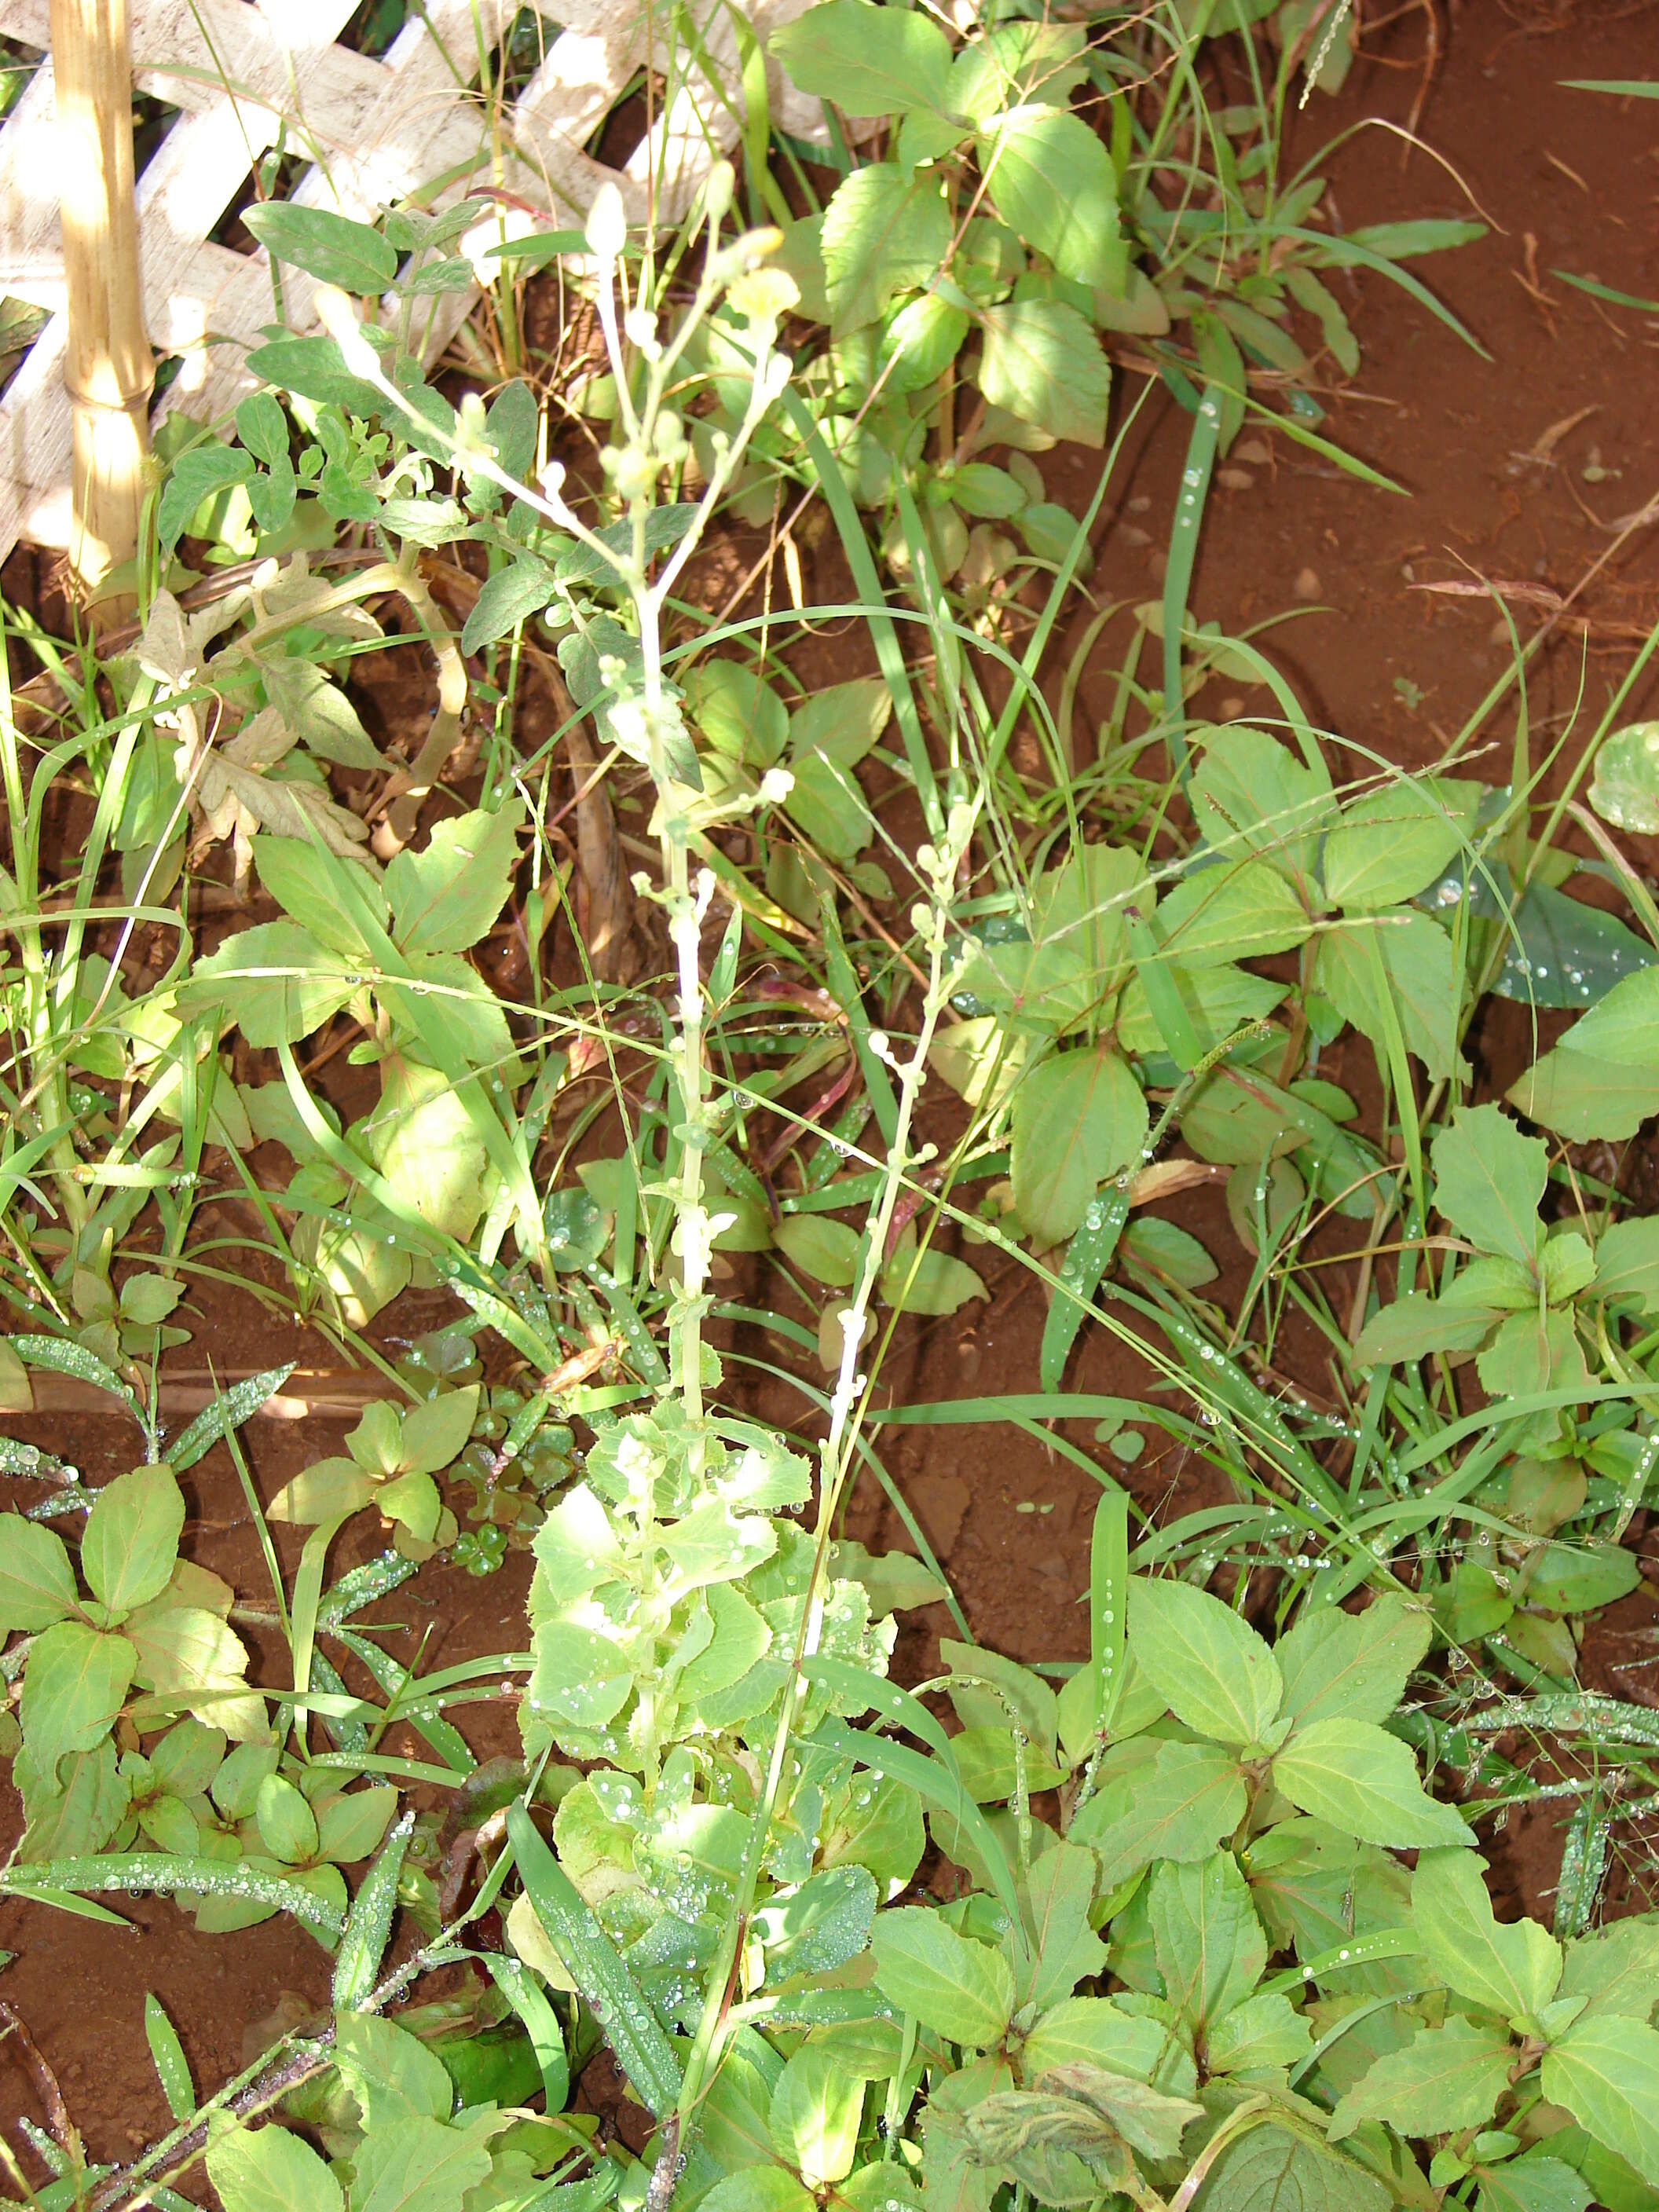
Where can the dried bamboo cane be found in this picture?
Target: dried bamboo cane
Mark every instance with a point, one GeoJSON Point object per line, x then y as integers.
{"type": "Point", "coordinates": [108, 370]}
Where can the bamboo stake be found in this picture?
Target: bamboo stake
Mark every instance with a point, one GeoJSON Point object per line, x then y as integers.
{"type": "Point", "coordinates": [108, 370]}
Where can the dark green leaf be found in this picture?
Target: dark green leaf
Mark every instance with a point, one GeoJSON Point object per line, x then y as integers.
{"type": "Point", "coordinates": [328, 246]}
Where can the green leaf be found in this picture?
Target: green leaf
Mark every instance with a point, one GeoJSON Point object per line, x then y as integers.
{"type": "Point", "coordinates": [1606, 2072]}
{"type": "Point", "coordinates": [759, 2189]}
{"type": "Point", "coordinates": [172, 2068]}
{"type": "Point", "coordinates": [198, 475]}
{"type": "Point", "coordinates": [1043, 363]}
{"type": "Point", "coordinates": [435, 1430]}
{"type": "Point", "coordinates": [961, 1989]}
{"type": "Point", "coordinates": [275, 981]}
{"type": "Point", "coordinates": [74, 1685]}
{"type": "Point", "coordinates": [1078, 1118]}
{"type": "Point", "coordinates": [867, 60]}
{"type": "Point", "coordinates": [427, 1145]}
{"type": "Point", "coordinates": [1365, 1783]}
{"type": "Point", "coordinates": [1016, 1691]}
{"type": "Point", "coordinates": [1627, 1263]}
{"type": "Point", "coordinates": [1532, 1352]}
{"type": "Point", "coordinates": [351, 1825]}
{"type": "Point", "coordinates": [288, 1826]}
{"type": "Point", "coordinates": [340, 905]}
{"type": "Point", "coordinates": [1214, 1671]}
{"type": "Point", "coordinates": [1266, 2030]}
{"type": "Point", "coordinates": [391, 2074]}
{"type": "Point", "coordinates": [328, 246]}
{"type": "Point", "coordinates": [1392, 843]}
{"type": "Point", "coordinates": [1095, 2032]}
{"type": "Point", "coordinates": [1616, 1970]}
{"type": "Point", "coordinates": [1059, 1890]}
{"type": "Point", "coordinates": [1445, 2078]}
{"type": "Point", "coordinates": [1624, 1026]}
{"type": "Point", "coordinates": [421, 2165]}
{"type": "Point", "coordinates": [1489, 1182]}
{"type": "Point", "coordinates": [1625, 788]}
{"type": "Point", "coordinates": [318, 712]}
{"type": "Point", "coordinates": [1583, 1097]}
{"type": "Point", "coordinates": [825, 1249]}
{"type": "Point", "coordinates": [1274, 2167]}
{"type": "Point", "coordinates": [883, 232]}
{"type": "Point", "coordinates": [929, 1282]}
{"type": "Point", "coordinates": [444, 898]}
{"type": "Point", "coordinates": [511, 596]}
{"type": "Point", "coordinates": [315, 369]}
{"type": "Point", "coordinates": [1235, 910]}
{"type": "Point", "coordinates": [1536, 2183]}
{"type": "Point", "coordinates": [131, 1539]}
{"type": "Point", "coordinates": [1252, 794]}
{"type": "Point", "coordinates": [643, 2052]}
{"type": "Point", "coordinates": [1419, 973]}
{"type": "Point", "coordinates": [369, 1925]}
{"type": "Point", "coordinates": [827, 807]}
{"type": "Point", "coordinates": [270, 2169]}
{"type": "Point", "coordinates": [738, 712]}
{"type": "Point", "coordinates": [1349, 1666]}
{"type": "Point", "coordinates": [817, 2106]}
{"type": "Point", "coordinates": [1418, 1324]}
{"type": "Point", "coordinates": [579, 1678]}
{"type": "Point", "coordinates": [37, 1582]}
{"type": "Point", "coordinates": [327, 1492]}
{"type": "Point", "coordinates": [1177, 1806]}
{"type": "Point", "coordinates": [1513, 1970]}
{"type": "Point", "coordinates": [1569, 1578]}
{"type": "Point", "coordinates": [843, 721]}
{"type": "Point", "coordinates": [1210, 1947]}
{"type": "Point", "coordinates": [1054, 183]}
{"type": "Point", "coordinates": [1215, 1001]}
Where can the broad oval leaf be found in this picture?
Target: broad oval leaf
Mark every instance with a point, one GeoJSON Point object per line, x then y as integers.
{"type": "Point", "coordinates": [1179, 1807]}
{"type": "Point", "coordinates": [1216, 1674]}
{"type": "Point", "coordinates": [37, 1582]}
{"type": "Point", "coordinates": [883, 232]}
{"type": "Point", "coordinates": [1054, 183]}
{"type": "Point", "coordinates": [331, 248]}
{"type": "Point", "coordinates": [1626, 789]}
{"type": "Point", "coordinates": [867, 60]}
{"type": "Point", "coordinates": [960, 1988]}
{"type": "Point", "coordinates": [1352, 1666]}
{"type": "Point", "coordinates": [1234, 910]}
{"type": "Point", "coordinates": [444, 898]}
{"type": "Point", "coordinates": [1391, 843]}
{"type": "Point", "coordinates": [1364, 1782]}
{"type": "Point", "coordinates": [1079, 1117]}
{"type": "Point", "coordinates": [270, 2169]}
{"type": "Point", "coordinates": [1606, 2072]}
{"type": "Point", "coordinates": [1044, 365]}
{"type": "Point", "coordinates": [1512, 1970]}
{"type": "Point", "coordinates": [825, 1249]}
{"type": "Point", "coordinates": [1446, 2077]}
{"type": "Point", "coordinates": [73, 1688]}
{"type": "Point", "coordinates": [132, 1538]}
{"type": "Point", "coordinates": [814, 2115]}
{"type": "Point", "coordinates": [1489, 1182]}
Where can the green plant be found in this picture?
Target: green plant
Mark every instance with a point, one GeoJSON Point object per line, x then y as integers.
{"type": "Point", "coordinates": [1138, 1928]}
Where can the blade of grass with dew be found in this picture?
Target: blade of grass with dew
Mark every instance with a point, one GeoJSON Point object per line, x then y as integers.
{"type": "Point", "coordinates": [1178, 575]}
{"type": "Point", "coordinates": [597, 1968]}
{"type": "Point", "coordinates": [826, 470]}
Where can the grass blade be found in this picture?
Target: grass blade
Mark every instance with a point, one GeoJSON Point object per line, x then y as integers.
{"type": "Point", "coordinates": [597, 1968]}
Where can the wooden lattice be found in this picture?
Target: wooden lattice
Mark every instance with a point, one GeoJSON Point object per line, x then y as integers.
{"type": "Point", "coordinates": [243, 73]}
